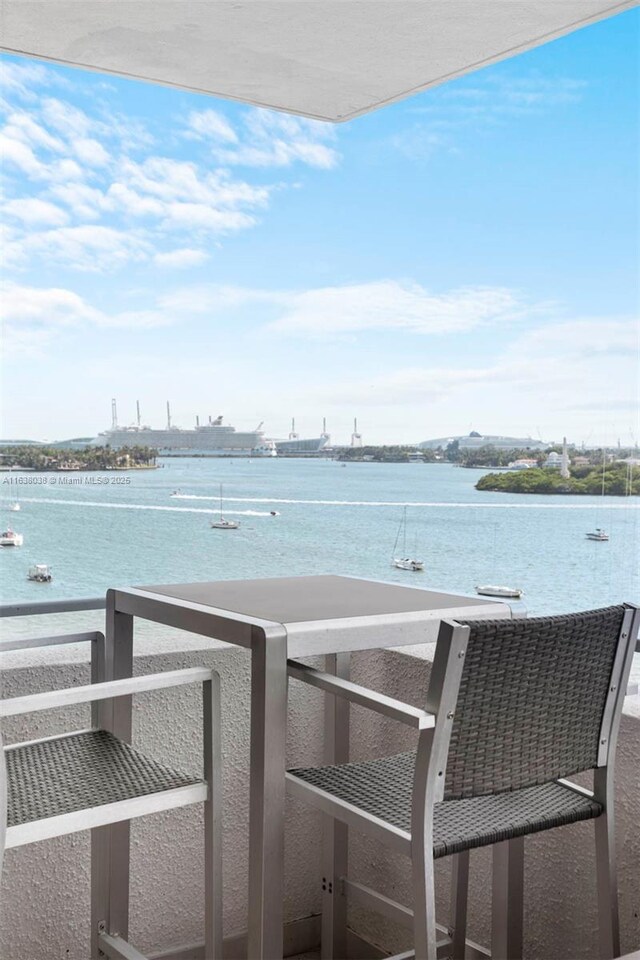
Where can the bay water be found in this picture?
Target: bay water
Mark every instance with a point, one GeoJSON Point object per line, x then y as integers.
{"type": "Point", "coordinates": [99, 530]}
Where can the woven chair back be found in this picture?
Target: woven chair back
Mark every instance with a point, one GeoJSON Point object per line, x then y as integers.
{"type": "Point", "coordinates": [3, 802]}
{"type": "Point", "coordinates": [531, 701]}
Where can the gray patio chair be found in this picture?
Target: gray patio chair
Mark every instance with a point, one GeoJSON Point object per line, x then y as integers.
{"type": "Point", "coordinates": [514, 707]}
{"type": "Point", "coordinates": [91, 779]}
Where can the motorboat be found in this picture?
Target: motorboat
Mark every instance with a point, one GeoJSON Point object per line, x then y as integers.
{"type": "Point", "coordinates": [598, 534]}
{"type": "Point", "coordinates": [40, 573]}
{"type": "Point", "coordinates": [15, 507]}
{"type": "Point", "coordinates": [11, 539]}
{"type": "Point", "coordinates": [491, 590]}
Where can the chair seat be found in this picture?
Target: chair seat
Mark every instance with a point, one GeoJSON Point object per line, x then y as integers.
{"type": "Point", "coordinates": [67, 774]}
{"type": "Point", "coordinates": [382, 788]}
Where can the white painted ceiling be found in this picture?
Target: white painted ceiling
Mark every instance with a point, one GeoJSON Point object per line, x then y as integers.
{"type": "Point", "coordinates": [329, 59]}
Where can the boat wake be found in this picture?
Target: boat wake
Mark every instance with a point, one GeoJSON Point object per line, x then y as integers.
{"type": "Point", "coordinates": [411, 503]}
{"type": "Point", "coordinates": [143, 506]}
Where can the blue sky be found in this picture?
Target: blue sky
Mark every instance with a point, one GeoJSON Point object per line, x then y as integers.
{"type": "Point", "coordinates": [465, 259]}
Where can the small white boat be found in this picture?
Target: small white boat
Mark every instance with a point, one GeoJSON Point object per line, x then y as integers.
{"type": "Point", "coordinates": [14, 507]}
{"type": "Point", "coordinates": [406, 563]}
{"type": "Point", "coordinates": [491, 590]}
{"type": "Point", "coordinates": [598, 534]}
{"type": "Point", "coordinates": [223, 523]}
{"type": "Point", "coordinates": [11, 539]}
{"type": "Point", "coordinates": [40, 573]}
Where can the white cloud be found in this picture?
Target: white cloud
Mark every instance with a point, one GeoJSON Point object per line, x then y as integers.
{"type": "Point", "coordinates": [584, 337]}
{"type": "Point", "coordinates": [389, 305]}
{"type": "Point", "coordinates": [65, 118]}
{"type": "Point", "coordinates": [20, 155]}
{"type": "Point", "coordinates": [51, 306]}
{"type": "Point", "coordinates": [181, 259]}
{"type": "Point", "coordinates": [182, 196]}
{"type": "Point", "coordinates": [210, 124]}
{"type": "Point", "coordinates": [31, 211]}
{"type": "Point", "coordinates": [84, 167]}
{"type": "Point", "coordinates": [510, 94]}
{"type": "Point", "coordinates": [199, 216]}
{"type": "Point", "coordinates": [21, 79]}
{"type": "Point", "coordinates": [90, 151]}
{"type": "Point", "coordinates": [88, 248]}
{"type": "Point", "coordinates": [377, 306]}
{"type": "Point", "coordinates": [27, 311]}
{"type": "Point", "coordinates": [21, 126]}
{"type": "Point", "coordinates": [266, 139]}
{"type": "Point", "coordinates": [83, 201]}
{"type": "Point", "coordinates": [475, 104]}
{"type": "Point", "coordinates": [543, 370]}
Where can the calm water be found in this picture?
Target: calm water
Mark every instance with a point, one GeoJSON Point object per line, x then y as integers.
{"type": "Point", "coordinates": [331, 519]}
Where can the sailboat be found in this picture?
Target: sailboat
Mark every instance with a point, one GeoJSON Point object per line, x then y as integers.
{"type": "Point", "coordinates": [498, 589]}
{"type": "Point", "coordinates": [15, 506]}
{"type": "Point", "coordinates": [222, 523]}
{"type": "Point", "coordinates": [600, 535]}
{"type": "Point", "coordinates": [404, 562]}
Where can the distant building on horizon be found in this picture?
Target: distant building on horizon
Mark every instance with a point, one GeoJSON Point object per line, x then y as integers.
{"type": "Point", "coordinates": [475, 440]}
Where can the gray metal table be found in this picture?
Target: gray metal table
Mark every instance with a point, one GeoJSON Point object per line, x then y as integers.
{"type": "Point", "coordinates": [276, 619]}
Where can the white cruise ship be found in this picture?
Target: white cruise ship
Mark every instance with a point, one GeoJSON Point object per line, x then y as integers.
{"type": "Point", "coordinates": [212, 439]}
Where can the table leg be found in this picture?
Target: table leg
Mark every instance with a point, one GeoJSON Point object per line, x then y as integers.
{"type": "Point", "coordinates": [335, 835]}
{"type": "Point", "coordinates": [267, 793]}
{"type": "Point", "coordinates": [110, 844]}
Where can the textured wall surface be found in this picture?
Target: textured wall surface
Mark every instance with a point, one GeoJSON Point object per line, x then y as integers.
{"type": "Point", "coordinates": [45, 887]}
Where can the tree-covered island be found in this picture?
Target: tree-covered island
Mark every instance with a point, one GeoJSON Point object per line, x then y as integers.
{"type": "Point", "coordinates": [385, 454]}
{"type": "Point", "coordinates": [619, 479]}
{"type": "Point", "coordinates": [52, 459]}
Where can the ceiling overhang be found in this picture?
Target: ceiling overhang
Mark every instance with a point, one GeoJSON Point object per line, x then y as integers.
{"type": "Point", "coordinates": [328, 59]}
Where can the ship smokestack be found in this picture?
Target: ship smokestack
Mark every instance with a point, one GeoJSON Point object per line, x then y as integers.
{"type": "Point", "coordinates": [114, 415]}
{"type": "Point", "coordinates": [168, 416]}
{"type": "Point", "coordinates": [138, 412]}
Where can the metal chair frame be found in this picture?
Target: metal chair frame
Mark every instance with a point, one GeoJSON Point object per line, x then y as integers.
{"type": "Point", "coordinates": [111, 711]}
{"type": "Point", "coordinates": [434, 726]}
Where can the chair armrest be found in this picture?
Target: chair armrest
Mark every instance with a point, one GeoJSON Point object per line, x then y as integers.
{"type": "Point", "coordinates": [54, 641]}
{"type": "Point", "coordinates": [103, 691]}
{"type": "Point", "coordinates": [396, 709]}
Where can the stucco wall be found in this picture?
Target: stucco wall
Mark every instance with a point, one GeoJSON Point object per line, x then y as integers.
{"type": "Point", "coordinates": [45, 887]}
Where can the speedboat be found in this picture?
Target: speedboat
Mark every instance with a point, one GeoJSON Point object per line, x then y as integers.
{"type": "Point", "coordinates": [490, 590]}
{"type": "Point", "coordinates": [11, 539]}
{"type": "Point", "coordinates": [406, 563]}
{"type": "Point", "coordinates": [223, 524]}
{"type": "Point", "coordinates": [40, 573]}
{"type": "Point", "coordinates": [14, 507]}
{"type": "Point", "coordinates": [598, 534]}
